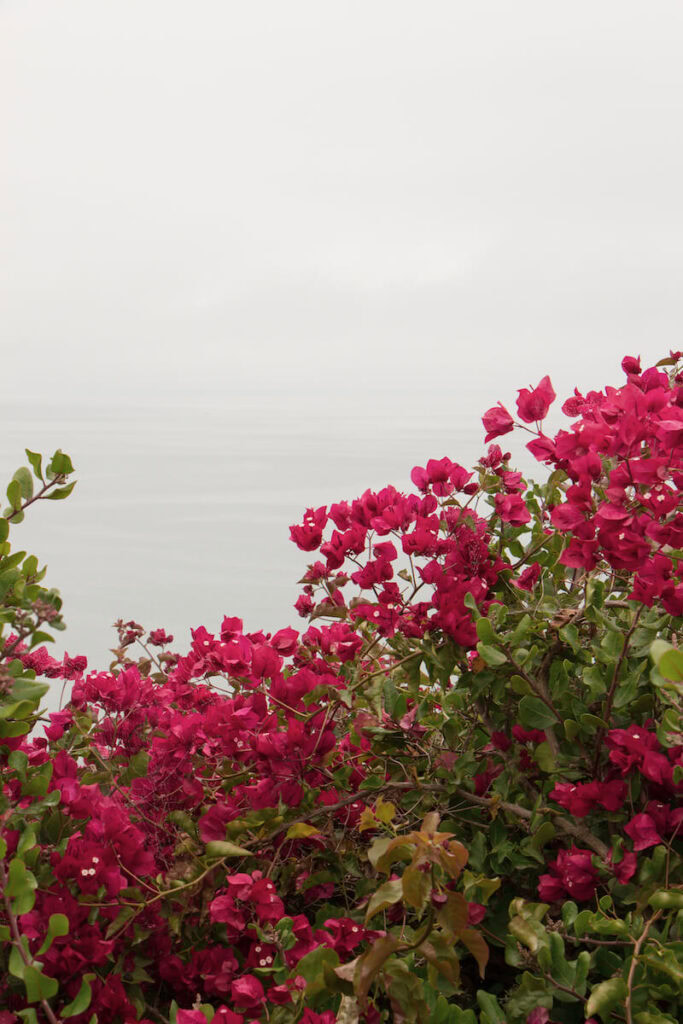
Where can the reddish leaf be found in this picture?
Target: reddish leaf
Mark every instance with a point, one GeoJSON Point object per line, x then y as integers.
{"type": "Point", "coordinates": [477, 947]}
{"type": "Point", "coordinates": [371, 963]}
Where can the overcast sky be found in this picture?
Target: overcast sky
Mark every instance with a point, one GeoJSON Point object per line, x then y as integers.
{"type": "Point", "coordinates": [316, 211]}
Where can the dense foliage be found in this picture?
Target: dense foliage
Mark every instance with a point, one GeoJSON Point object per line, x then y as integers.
{"type": "Point", "coordinates": [454, 797]}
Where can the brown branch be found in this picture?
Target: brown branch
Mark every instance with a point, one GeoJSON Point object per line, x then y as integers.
{"type": "Point", "coordinates": [16, 940]}
{"type": "Point", "coordinates": [60, 479]}
{"type": "Point", "coordinates": [612, 690]}
{"type": "Point", "coordinates": [568, 827]}
{"type": "Point", "coordinates": [634, 963]}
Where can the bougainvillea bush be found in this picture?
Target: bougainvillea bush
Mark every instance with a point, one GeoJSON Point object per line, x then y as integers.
{"type": "Point", "coordinates": [452, 796]}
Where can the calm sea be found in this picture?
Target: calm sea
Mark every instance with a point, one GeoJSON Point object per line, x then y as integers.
{"type": "Point", "coordinates": [181, 513]}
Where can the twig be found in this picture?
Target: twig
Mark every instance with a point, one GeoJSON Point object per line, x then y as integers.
{"type": "Point", "coordinates": [18, 944]}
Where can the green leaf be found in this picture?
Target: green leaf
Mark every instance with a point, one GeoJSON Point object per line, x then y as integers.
{"type": "Point", "coordinates": [21, 887]}
{"type": "Point", "coordinates": [491, 655]}
{"type": "Point", "coordinates": [14, 494]}
{"type": "Point", "coordinates": [534, 714]}
{"type": "Point", "coordinates": [544, 757]}
{"type": "Point", "coordinates": [654, 1017]}
{"type": "Point", "coordinates": [521, 630]}
{"type": "Point", "coordinates": [571, 729]}
{"type": "Point", "coordinates": [30, 566]}
{"type": "Point", "coordinates": [4, 530]}
{"type": "Point", "coordinates": [387, 894]}
{"type": "Point", "coordinates": [39, 637]}
{"type": "Point", "coordinates": [592, 723]}
{"type": "Point", "coordinates": [671, 665]}
{"type": "Point", "coordinates": [57, 925]}
{"type": "Point", "coordinates": [60, 465]}
{"type": "Point", "coordinates": [29, 1015]}
{"type": "Point", "coordinates": [485, 631]}
{"type": "Point", "coordinates": [120, 921]}
{"type": "Point", "coordinates": [17, 967]}
{"type": "Point", "coordinates": [543, 834]}
{"type": "Point", "coordinates": [416, 888]}
{"type": "Point", "coordinates": [25, 481]}
{"type": "Point", "coordinates": [668, 962]}
{"type": "Point", "coordinates": [13, 729]}
{"type": "Point", "coordinates": [36, 461]}
{"type": "Point", "coordinates": [667, 899]}
{"type": "Point", "coordinates": [491, 1008]}
{"type": "Point", "coordinates": [378, 849]}
{"type": "Point", "coordinates": [38, 985]}
{"type": "Point", "coordinates": [17, 709]}
{"type": "Point", "coordinates": [18, 762]}
{"type": "Point", "coordinates": [299, 830]}
{"type": "Point", "coordinates": [527, 931]}
{"type": "Point", "coordinates": [28, 689]}
{"type": "Point", "coordinates": [570, 635]}
{"type": "Point", "coordinates": [82, 1000]}
{"type": "Point", "coordinates": [27, 840]}
{"type": "Point", "coordinates": [311, 967]}
{"type": "Point", "coordinates": [605, 996]}
{"type": "Point", "coordinates": [224, 848]}
{"type": "Point", "coordinates": [60, 492]}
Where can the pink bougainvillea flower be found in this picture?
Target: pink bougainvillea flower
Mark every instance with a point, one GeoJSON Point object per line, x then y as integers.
{"type": "Point", "coordinates": [279, 995]}
{"type": "Point", "coordinates": [159, 638]}
{"type": "Point", "coordinates": [494, 457]}
{"type": "Point", "coordinates": [523, 735]}
{"type": "Point", "coordinates": [624, 869]}
{"type": "Point", "coordinates": [582, 798]}
{"type": "Point", "coordinates": [666, 819]}
{"type": "Point", "coordinates": [74, 667]}
{"type": "Point", "coordinates": [497, 421]}
{"type": "Point", "coordinates": [190, 1017]}
{"type": "Point", "coordinates": [631, 364]}
{"type": "Point", "coordinates": [571, 875]}
{"type": "Point", "coordinates": [224, 1015]}
{"type": "Point", "coordinates": [511, 509]}
{"type": "Point", "coordinates": [533, 405]}
{"type": "Point", "coordinates": [438, 475]}
{"type": "Point", "coordinates": [543, 449]}
{"type": "Point", "coordinates": [540, 1015]}
{"type": "Point", "coordinates": [346, 934]}
{"type": "Point", "coordinates": [89, 865]}
{"type": "Point", "coordinates": [311, 1017]}
{"type": "Point", "coordinates": [59, 721]}
{"type": "Point", "coordinates": [528, 579]}
{"type": "Point", "coordinates": [247, 992]}
{"type": "Point", "coordinates": [266, 902]}
{"type": "Point", "coordinates": [309, 534]}
{"type": "Point", "coordinates": [285, 641]}
{"type": "Point", "coordinates": [637, 747]}
{"type": "Point", "coordinates": [476, 912]}
{"type": "Point", "coordinates": [643, 831]}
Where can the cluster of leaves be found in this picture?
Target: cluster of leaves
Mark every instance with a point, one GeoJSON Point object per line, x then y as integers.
{"type": "Point", "coordinates": [453, 797]}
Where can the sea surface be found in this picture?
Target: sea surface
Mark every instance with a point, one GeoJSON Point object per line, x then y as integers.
{"type": "Point", "coordinates": [181, 512]}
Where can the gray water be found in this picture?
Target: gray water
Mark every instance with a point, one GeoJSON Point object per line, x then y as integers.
{"type": "Point", "coordinates": [181, 515]}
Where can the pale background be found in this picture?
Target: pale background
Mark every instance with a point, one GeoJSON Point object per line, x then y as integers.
{"type": "Point", "coordinates": [261, 255]}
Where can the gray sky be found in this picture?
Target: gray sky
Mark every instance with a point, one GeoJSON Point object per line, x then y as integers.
{"type": "Point", "coordinates": [316, 212]}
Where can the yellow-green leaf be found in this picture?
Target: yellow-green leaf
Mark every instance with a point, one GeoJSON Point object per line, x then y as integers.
{"type": "Point", "coordinates": [300, 830]}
